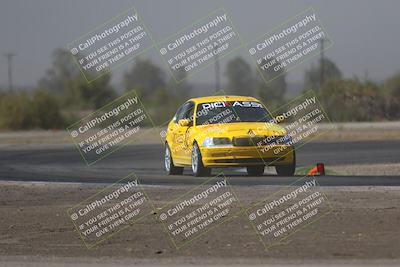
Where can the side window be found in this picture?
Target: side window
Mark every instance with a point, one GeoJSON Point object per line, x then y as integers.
{"type": "Point", "coordinates": [175, 119]}
{"type": "Point", "coordinates": [188, 113]}
{"type": "Point", "coordinates": [184, 112]}
{"type": "Point", "coordinates": [180, 114]}
{"type": "Point", "coordinates": [191, 114]}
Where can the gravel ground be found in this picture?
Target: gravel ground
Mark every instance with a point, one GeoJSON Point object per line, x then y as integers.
{"type": "Point", "coordinates": [35, 230]}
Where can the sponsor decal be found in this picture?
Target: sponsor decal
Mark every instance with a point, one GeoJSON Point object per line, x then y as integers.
{"type": "Point", "coordinates": [221, 104]}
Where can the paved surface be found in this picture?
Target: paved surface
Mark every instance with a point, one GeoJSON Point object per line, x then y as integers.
{"type": "Point", "coordinates": [62, 163]}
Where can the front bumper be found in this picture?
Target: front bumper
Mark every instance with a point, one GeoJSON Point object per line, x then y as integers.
{"type": "Point", "coordinates": [247, 156]}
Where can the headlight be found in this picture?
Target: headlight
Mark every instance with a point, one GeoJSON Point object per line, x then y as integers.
{"type": "Point", "coordinates": [208, 142]}
{"type": "Point", "coordinates": [219, 141]}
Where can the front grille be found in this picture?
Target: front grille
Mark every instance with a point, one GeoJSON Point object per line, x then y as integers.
{"type": "Point", "coordinates": [253, 141]}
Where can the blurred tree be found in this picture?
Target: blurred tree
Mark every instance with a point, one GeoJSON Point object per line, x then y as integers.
{"type": "Point", "coordinates": [47, 110]}
{"type": "Point", "coordinates": [165, 101]}
{"type": "Point", "coordinates": [180, 88]}
{"type": "Point", "coordinates": [73, 90]}
{"type": "Point", "coordinates": [17, 112]}
{"type": "Point", "coordinates": [145, 77]}
{"type": "Point", "coordinates": [312, 77]}
{"type": "Point", "coordinates": [240, 77]}
{"type": "Point", "coordinates": [272, 87]}
{"type": "Point", "coordinates": [96, 94]}
{"type": "Point", "coordinates": [391, 92]}
{"type": "Point", "coordinates": [162, 105]}
{"type": "Point", "coordinates": [352, 100]}
{"type": "Point", "coordinates": [62, 71]}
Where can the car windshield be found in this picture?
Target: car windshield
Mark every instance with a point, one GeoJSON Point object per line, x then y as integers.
{"type": "Point", "coordinates": [230, 112]}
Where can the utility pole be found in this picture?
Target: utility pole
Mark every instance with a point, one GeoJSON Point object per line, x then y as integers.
{"type": "Point", "coordinates": [217, 82]}
{"type": "Point", "coordinates": [322, 63]}
{"type": "Point", "coordinates": [9, 57]}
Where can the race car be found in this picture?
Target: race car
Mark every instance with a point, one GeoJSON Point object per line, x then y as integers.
{"type": "Point", "coordinates": [227, 131]}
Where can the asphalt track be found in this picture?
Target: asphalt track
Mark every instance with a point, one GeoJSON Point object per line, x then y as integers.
{"type": "Point", "coordinates": [62, 163]}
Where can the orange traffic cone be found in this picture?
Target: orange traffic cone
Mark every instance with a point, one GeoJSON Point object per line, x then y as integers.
{"type": "Point", "coordinates": [318, 170]}
{"type": "Point", "coordinates": [312, 172]}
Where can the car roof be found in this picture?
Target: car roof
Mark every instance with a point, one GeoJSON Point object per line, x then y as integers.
{"type": "Point", "coordinates": [206, 99]}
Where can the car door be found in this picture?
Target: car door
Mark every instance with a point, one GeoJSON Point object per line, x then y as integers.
{"type": "Point", "coordinates": [182, 149]}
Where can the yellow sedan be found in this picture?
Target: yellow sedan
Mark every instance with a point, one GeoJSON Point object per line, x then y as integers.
{"type": "Point", "coordinates": [227, 131]}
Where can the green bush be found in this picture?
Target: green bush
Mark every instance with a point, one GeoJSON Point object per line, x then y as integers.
{"type": "Point", "coordinates": [391, 92]}
{"type": "Point", "coordinates": [47, 111]}
{"type": "Point", "coordinates": [18, 111]}
{"type": "Point", "coordinates": [352, 100]}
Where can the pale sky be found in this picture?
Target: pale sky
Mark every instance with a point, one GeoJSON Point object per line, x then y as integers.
{"type": "Point", "coordinates": [365, 33]}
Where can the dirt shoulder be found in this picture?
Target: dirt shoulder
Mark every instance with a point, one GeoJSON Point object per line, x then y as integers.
{"type": "Point", "coordinates": [364, 131]}
{"type": "Point", "coordinates": [362, 228]}
{"type": "Point", "coordinates": [389, 169]}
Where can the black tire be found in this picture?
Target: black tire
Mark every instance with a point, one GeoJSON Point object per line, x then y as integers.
{"type": "Point", "coordinates": [197, 163]}
{"type": "Point", "coordinates": [169, 163]}
{"type": "Point", "coordinates": [287, 170]}
{"type": "Point", "coordinates": [255, 170]}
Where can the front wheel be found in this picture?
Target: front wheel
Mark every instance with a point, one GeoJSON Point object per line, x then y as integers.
{"type": "Point", "coordinates": [197, 163]}
{"type": "Point", "coordinates": [255, 170]}
{"type": "Point", "coordinates": [169, 164]}
{"type": "Point", "coordinates": [287, 170]}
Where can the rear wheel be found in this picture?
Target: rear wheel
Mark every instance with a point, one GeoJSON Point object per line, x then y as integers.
{"type": "Point", "coordinates": [287, 170]}
{"type": "Point", "coordinates": [255, 170]}
{"type": "Point", "coordinates": [197, 163]}
{"type": "Point", "coordinates": [169, 164]}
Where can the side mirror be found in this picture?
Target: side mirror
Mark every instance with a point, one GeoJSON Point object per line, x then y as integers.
{"type": "Point", "coordinates": [183, 122]}
{"type": "Point", "coordinates": [279, 119]}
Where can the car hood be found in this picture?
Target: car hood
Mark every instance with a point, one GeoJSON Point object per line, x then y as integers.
{"type": "Point", "coordinates": [243, 129]}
